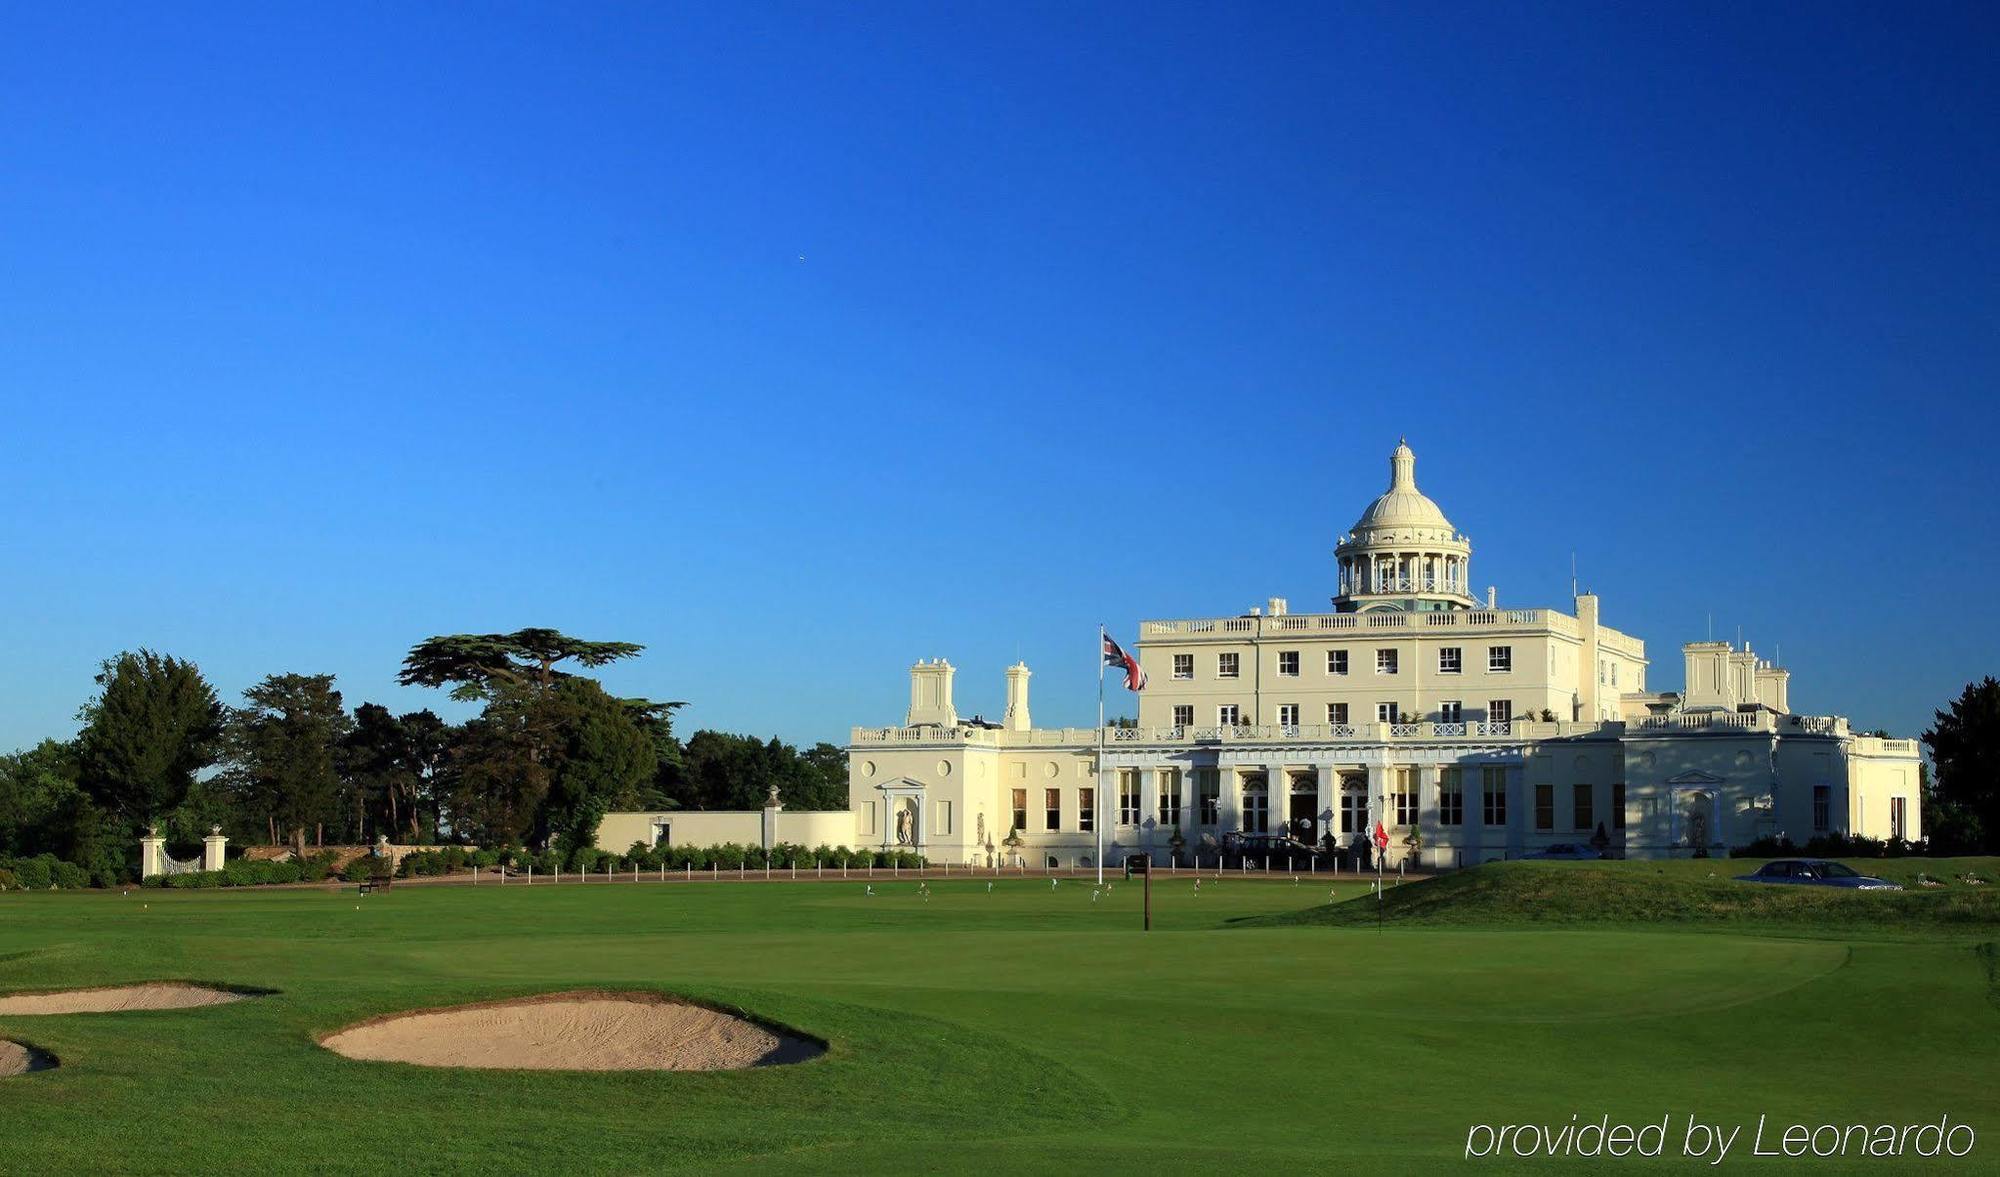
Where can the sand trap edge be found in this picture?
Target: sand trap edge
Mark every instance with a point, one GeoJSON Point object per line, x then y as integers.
{"type": "Point", "coordinates": [821, 1047]}
{"type": "Point", "coordinates": [236, 992]}
{"type": "Point", "coordinates": [26, 1059]}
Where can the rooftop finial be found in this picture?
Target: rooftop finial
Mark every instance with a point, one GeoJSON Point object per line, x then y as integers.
{"type": "Point", "coordinates": [1403, 467]}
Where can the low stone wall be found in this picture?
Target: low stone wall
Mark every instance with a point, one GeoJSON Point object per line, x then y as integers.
{"type": "Point", "coordinates": [342, 855]}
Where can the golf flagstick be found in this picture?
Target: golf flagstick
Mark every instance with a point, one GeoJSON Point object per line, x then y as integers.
{"type": "Point", "coordinates": [1097, 794]}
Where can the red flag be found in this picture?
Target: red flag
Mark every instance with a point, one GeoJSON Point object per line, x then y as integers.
{"type": "Point", "coordinates": [1381, 837]}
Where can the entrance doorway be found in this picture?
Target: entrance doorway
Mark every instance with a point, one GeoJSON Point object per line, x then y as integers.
{"type": "Point", "coordinates": [1303, 815]}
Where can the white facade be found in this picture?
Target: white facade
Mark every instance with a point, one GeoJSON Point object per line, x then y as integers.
{"type": "Point", "coordinates": [1470, 732]}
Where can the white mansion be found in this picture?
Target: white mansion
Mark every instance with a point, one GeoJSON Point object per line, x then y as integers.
{"type": "Point", "coordinates": [1473, 733]}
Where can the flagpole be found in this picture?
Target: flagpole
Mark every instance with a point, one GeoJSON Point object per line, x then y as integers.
{"type": "Point", "coordinates": [1097, 794]}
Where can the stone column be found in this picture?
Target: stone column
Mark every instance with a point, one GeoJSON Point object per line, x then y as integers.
{"type": "Point", "coordinates": [150, 853]}
{"type": "Point", "coordinates": [1378, 794]}
{"type": "Point", "coordinates": [771, 807]}
{"type": "Point", "coordinates": [1428, 781]}
{"type": "Point", "coordinates": [1149, 807]}
{"type": "Point", "coordinates": [211, 848]}
{"type": "Point", "coordinates": [1230, 816]}
{"type": "Point", "coordinates": [1325, 799]}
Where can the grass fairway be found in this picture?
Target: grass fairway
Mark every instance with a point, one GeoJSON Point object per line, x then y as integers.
{"type": "Point", "coordinates": [1022, 1030]}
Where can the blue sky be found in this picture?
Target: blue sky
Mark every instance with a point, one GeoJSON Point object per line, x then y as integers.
{"type": "Point", "coordinates": [800, 342]}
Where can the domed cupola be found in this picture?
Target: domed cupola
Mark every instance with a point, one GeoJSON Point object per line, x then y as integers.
{"type": "Point", "coordinates": [1403, 553]}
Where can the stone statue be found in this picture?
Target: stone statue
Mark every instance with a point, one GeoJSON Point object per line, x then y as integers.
{"type": "Point", "coordinates": [981, 839]}
{"type": "Point", "coordinates": [905, 827]}
{"type": "Point", "coordinates": [771, 798]}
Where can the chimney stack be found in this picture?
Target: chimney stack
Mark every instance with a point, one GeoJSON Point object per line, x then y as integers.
{"type": "Point", "coordinates": [930, 695]}
{"type": "Point", "coordinates": [1016, 719]}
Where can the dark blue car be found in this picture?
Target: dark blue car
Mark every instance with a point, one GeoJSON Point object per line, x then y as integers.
{"type": "Point", "coordinates": [1817, 872]}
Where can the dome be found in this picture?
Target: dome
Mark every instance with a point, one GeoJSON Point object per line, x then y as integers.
{"type": "Point", "coordinates": [1402, 505]}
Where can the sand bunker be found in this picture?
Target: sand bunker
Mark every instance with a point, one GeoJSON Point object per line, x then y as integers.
{"type": "Point", "coordinates": [159, 995]}
{"type": "Point", "coordinates": [16, 1059]}
{"type": "Point", "coordinates": [575, 1032]}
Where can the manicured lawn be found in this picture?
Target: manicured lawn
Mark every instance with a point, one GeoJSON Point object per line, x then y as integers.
{"type": "Point", "coordinates": [1024, 1030]}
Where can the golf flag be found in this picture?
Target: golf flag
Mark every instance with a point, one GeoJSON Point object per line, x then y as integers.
{"type": "Point", "coordinates": [1381, 836]}
{"type": "Point", "coordinates": [1115, 655]}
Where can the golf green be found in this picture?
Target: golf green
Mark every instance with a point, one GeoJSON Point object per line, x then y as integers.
{"type": "Point", "coordinates": [1003, 1028]}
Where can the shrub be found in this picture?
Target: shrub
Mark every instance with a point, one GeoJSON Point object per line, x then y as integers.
{"type": "Point", "coordinates": [316, 867]}
{"type": "Point", "coordinates": [484, 859]}
{"type": "Point", "coordinates": [35, 874]}
{"type": "Point", "coordinates": [7, 880]}
{"type": "Point", "coordinates": [362, 869]}
{"type": "Point", "coordinates": [1765, 847]}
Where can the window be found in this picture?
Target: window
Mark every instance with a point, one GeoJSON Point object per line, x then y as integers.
{"type": "Point", "coordinates": [1500, 659]}
{"type": "Point", "coordinates": [1208, 786]}
{"type": "Point", "coordinates": [1184, 715]}
{"type": "Point", "coordinates": [1385, 662]}
{"type": "Point", "coordinates": [1020, 811]}
{"type": "Point", "coordinates": [1052, 809]}
{"type": "Point", "coordinates": [1451, 711]}
{"type": "Point", "coordinates": [1602, 673]}
{"type": "Point", "coordinates": [1404, 793]}
{"type": "Point", "coordinates": [1183, 665]}
{"type": "Point", "coordinates": [1499, 710]}
{"type": "Point", "coordinates": [1450, 660]}
{"type": "Point", "coordinates": [1288, 663]}
{"type": "Point", "coordinates": [1584, 806]}
{"type": "Point", "coordinates": [1493, 784]}
{"type": "Point", "coordinates": [1288, 715]}
{"type": "Point", "coordinates": [1256, 808]}
{"type": "Point", "coordinates": [1336, 714]}
{"type": "Point", "coordinates": [1618, 806]}
{"type": "Point", "coordinates": [1225, 665]}
{"type": "Point", "coordinates": [1897, 829]}
{"type": "Point", "coordinates": [1086, 809]}
{"type": "Point", "coordinates": [1336, 661]}
{"type": "Point", "coordinates": [1822, 809]}
{"type": "Point", "coordinates": [868, 817]}
{"type": "Point", "coordinates": [1451, 797]}
{"type": "Point", "coordinates": [944, 817]}
{"type": "Point", "coordinates": [1353, 812]}
{"type": "Point", "coordinates": [1170, 798]}
{"type": "Point", "coordinates": [1226, 715]}
{"type": "Point", "coordinates": [1128, 797]}
{"type": "Point", "coordinates": [1614, 674]}
{"type": "Point", "coordinates": [1386, 713]}
{"type": "Point", "coordinates": [1545, 807]}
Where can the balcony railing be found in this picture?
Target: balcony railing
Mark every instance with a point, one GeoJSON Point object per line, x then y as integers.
{"type": "Point", "coordinates": [1400, 731]}
{"type": "Point", "coordinates": [1372, 622]}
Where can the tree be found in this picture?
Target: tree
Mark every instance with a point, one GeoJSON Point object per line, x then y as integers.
{"type": "Point", "coordinates": [1964, 743]}
{"type": "Point", "coordinates": [476, 665]}
{"type": "Point", "coordinates": [724, 771]}
{"type": "Point", "coordinates": [604, 760]}
{"type": "Point", "coordinates": [282, 751]}
{"type": "Point", "coordinates": [498, 771]}
{"type": "Point", "coordinates": [657, 721]}
{"type": "Point", "coordinates": [388, 764]}
{"type": "Point", "coordinates": [34, 785]}
{"type": "Point", "coordinates": [152, 727]}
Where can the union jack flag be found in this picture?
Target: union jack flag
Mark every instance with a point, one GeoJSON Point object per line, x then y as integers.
{"type": "Point", "coordinates": [1115, 655]}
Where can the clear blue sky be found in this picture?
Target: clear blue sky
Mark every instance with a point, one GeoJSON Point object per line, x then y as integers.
{"type": "Point", "coordinates": [799, 342]}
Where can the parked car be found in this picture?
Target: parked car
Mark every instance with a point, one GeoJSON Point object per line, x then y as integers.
{"type": "Point", "coordinates": [1568, 852]}
{"type": "Point", "coordinates": [1817, 872]}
